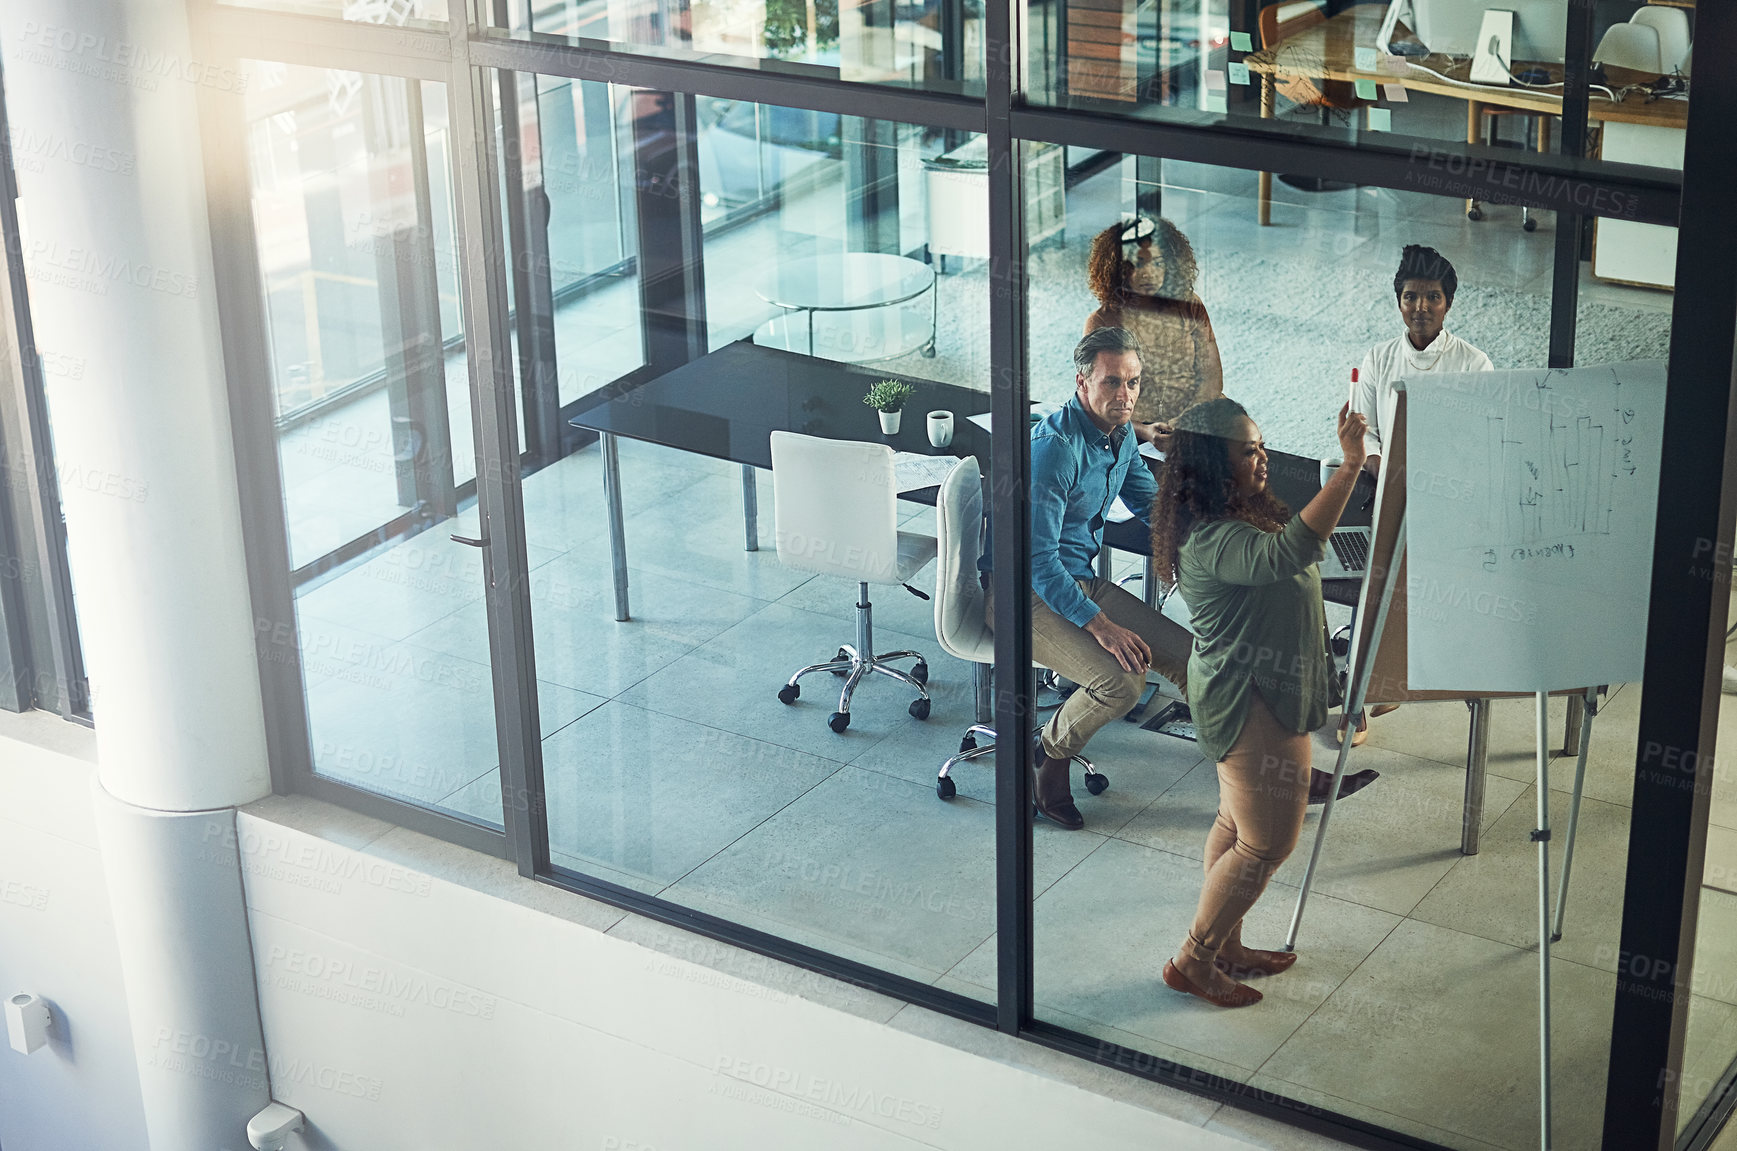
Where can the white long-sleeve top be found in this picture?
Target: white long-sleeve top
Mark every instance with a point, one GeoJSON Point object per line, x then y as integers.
{"type": "Point", "coordinates": [1398, 360]}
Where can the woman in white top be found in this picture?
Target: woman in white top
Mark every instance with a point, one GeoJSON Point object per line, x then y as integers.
{"type": "Point", "coordinates": [1424, 286]}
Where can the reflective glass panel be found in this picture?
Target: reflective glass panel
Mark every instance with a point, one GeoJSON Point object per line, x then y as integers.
{"type": "Point", "coordinates": [935, 45]}
{"type": "Point", "coordinates": [1373, 72]}
{"type": "Point", "coordinates": [1414, 996]}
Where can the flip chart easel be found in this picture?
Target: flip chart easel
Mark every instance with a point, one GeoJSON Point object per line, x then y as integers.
{"type": "Point", "coordinates": [1378, 674]}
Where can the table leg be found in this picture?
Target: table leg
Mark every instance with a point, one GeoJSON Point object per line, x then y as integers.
{"type": "Point", "coordinates": [1150, 577]}
{"type": "Point", "coordinates": [1474, 134]}
{"type": "Point", "coordinates": [1477, 758]}
{"type": "Point", "coordinates": [1264, 182]}
{"type": "Point", "coordinates": [811, 331]}
{"type": "Point", "coordinates": [983, 706]}
{"type": "Point", "coordinates": [617, 530]}
{"type": "Point", "coordinates": [1572, 726]}
{"type": "Point", "coordinates": [750, 509]}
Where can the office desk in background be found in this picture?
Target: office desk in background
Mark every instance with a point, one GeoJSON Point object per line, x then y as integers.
{"type": "Point", "coordinates": [1327, 51]}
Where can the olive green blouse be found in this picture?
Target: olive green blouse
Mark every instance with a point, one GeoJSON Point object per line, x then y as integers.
{"type": "Point", "coordinates": [1255, 600]}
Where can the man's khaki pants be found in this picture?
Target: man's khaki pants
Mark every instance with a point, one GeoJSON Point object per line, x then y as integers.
{"type": "Point", "coordinates": [1108, 691]}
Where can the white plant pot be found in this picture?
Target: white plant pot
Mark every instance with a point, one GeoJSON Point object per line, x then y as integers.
{"type": "Point", "coordinates": [890, 422]}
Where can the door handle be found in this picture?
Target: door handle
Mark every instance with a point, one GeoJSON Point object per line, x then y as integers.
{"type": "Point", "coordinates": [476, 543]}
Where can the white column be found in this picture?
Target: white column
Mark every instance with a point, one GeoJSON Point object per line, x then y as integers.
{"type": "Point", "coordinates": [102, 99]}
{"type": "Point", "coordinates": [103, 96]}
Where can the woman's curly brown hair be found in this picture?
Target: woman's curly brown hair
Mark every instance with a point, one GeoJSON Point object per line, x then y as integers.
{"type": "Point", "coordinates": [1106, 269]}
{"type": "Point", "coordinates": [1196, 487]}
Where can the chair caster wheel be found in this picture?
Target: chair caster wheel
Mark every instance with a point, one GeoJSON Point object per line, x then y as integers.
{"type": "Point", "coordinates": [1529, 225]}
{"type": "Point", "coordinates": [838, 720]}
{"type": "Point", "coordinates": [944, 787]}
{"type": "Point", "coordinates": [929, 352]}
{"type": "Point", "coordinates": [788, 693]}
{"type": "Point", "coordinates": [920, 673]}
{"type": "Point", "coordinates": [839, 671]}
{"type": "Point", "coordinates": [1474, 214]}
{"type": "Point", "coordinates": [1095, 784]}
{"type": "Point", "coordinates": [969, 743]}
{"type": "Point", "coordinates": [919, 709]}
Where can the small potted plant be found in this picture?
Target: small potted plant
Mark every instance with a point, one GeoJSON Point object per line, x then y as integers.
{"type": "Point", "coordinates": [888, 398]}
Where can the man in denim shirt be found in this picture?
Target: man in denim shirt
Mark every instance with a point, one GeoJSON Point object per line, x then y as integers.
{"type": "Point", "coordinates": [1087, 628]}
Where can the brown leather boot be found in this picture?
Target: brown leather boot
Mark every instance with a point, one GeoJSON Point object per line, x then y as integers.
{"type": "Point", "coordinates": [1051, 796]}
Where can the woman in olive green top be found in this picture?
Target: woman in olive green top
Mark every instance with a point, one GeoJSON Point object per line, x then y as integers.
{"type": "Point", "coordinates": [1257, 680]}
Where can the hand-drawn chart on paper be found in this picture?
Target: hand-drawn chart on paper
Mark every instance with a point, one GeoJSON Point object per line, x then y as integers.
{"type": "Point", "coordinates": [1530, 501]}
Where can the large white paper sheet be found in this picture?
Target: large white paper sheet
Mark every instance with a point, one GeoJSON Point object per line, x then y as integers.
{"type": "Point", "coordinates": [1530, 502]}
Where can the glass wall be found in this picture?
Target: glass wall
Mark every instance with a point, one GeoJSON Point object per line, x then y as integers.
{"type": "Point", "coordinates": [1356, 72]}
{"type": "Point", "coordinates": [1413, 1000]}
{"type": "Point", "coordinates": [695, 274]}
{"type": "Point", "coordinates": [934, 44]}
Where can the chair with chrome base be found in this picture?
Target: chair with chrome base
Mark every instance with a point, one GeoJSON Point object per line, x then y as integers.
{"type": "Point", "coordinates": [836, 509]}
{"type": "Point", "coordinates": [959, 618]}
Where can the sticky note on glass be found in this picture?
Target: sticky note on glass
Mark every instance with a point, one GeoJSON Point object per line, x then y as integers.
{"type": "Point", "coordinates": [1364, 58]}
{"type": "Point", "coordinates": [1365, 88]}
{"type": "Point", "coordinates": [1380, 120]}
{"type": "Point", "coordinates": [1240, 42]}
{"type": "Point", "coordinates": [1215, 101]}
{"type": "Point", "coordinates": [1214, 80]}
{"type": "Point", "coordinates": [1238, 72]}
{"type": "Point", "coordinates": [1394, 64]}
{"type": "Point", "coordinates": [1395, 93]}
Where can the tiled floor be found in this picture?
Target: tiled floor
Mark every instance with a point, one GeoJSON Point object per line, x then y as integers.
{"type": "Point", "coordinates": [671, 767]}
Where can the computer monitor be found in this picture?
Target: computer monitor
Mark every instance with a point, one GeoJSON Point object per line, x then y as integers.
{"type": "Point", "coordinates": [1451, 27]}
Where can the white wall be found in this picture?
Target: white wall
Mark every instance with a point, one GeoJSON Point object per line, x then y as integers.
{"type": "Point", "coordinates": [404, 1010]}
{"type": "Point", "coordinates": [57, 939]}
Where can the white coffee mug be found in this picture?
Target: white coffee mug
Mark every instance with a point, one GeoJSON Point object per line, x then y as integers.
{"type": "Point", "coordinates": [1328, 467]}
{"type": "Point", "coordinates": [940, 428]}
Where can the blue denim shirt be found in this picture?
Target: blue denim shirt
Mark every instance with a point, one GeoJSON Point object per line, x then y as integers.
{"type": "Point", "coordinates": [1075, 477]}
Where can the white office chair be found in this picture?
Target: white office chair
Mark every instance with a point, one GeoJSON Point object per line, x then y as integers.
{"type": "Point", "coordinates": [1634, 46]}
{"type": "Point", "coordinates": [1672, 25]}
{"type": "Point", "coordinates": [836, 509]}
{"type": "Point", "coordinates": [959, 620]}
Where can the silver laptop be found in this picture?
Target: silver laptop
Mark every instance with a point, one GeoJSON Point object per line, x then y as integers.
{"type": "Point", "coordinates": [1347, 554]}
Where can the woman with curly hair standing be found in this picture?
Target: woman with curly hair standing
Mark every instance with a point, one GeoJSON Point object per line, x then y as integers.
{"type": "Point", "coordinates": [1143, 273]}
{"type": "Point", "coordinates": [1257, 678]}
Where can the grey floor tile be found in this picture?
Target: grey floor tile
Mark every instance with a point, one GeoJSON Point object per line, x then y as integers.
{"type": "Point", "coordinates": [1708, 1048]}
{"type": "Point", "coordinates": [1715, 970]}
{"type": "Point", "coordinates": [1386, 847]}
{"type": "Point", "coordinates": [1611, 750]}
{"type": "Point", "coordinates": [403, 590]}
{"type": "Point", "coordinates": [732, 682]}
{"type": "Point", "coordinates": [655, 796]}
{"type": "Point", "coordinates": [1441, 1028]}
{"type": "Point", "coordinates": [1495, 893]}
{"type": "Point", "coordinates": [873, 868]}
{"type": "Point", "coordinates": [1105, 929]}
{"type": "Point", "coordinates": [580, 643]}
{"type": "Point", "coordinates": [1140, 765]}
{"type": "Point", "coordinates": [418, 723]}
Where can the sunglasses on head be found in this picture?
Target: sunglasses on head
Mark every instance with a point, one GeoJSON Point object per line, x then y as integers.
{"type": "Point", "coordinates": [1139, 229]}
